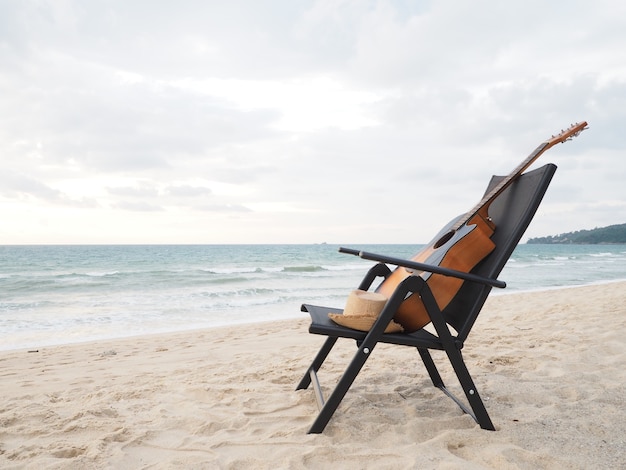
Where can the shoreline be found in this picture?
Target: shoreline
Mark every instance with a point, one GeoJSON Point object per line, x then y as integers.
{"type": "Point", "coordinates": [549, 366]}
{"type": "Point", "coordinates": [494, 293]}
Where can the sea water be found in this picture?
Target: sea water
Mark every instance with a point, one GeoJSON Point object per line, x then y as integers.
{"type": "Point", "coordinates": [64, 294]}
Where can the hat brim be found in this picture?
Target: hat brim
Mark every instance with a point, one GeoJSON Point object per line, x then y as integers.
{"type": "Point", "coordinates": [363, 322]}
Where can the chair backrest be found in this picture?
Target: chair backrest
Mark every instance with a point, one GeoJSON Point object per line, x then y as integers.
{"type": "Point", "coordinates": [512, 212]}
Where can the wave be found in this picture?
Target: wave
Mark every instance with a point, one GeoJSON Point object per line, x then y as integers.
{"type": "Point", "coordinates": [252, 291]}
{"type": "Point", "coordinates": [135, 289]}
{"type": "Point", "coordinates": [19, 306]}
{"type": "Point", "coordinates": [234, 270]}
{"type": "Point", "coordinates": [603, 255]}
{"type": "Point", "coordinates": [303, 269]}
{"type": "Point", "coordinates": [363, 267]}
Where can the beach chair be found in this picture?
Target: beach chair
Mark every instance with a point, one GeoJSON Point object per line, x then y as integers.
{"type": "Point", "coordinates": [511, 211]}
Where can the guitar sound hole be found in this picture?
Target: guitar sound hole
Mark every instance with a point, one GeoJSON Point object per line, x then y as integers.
{"type": "Point", "coordinates": [445, 239]}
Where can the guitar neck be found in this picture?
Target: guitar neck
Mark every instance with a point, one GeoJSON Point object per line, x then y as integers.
{"type": "Point", "coordinates": [502, 185]}
{"type": "Point", "coordinates": [573, 131]}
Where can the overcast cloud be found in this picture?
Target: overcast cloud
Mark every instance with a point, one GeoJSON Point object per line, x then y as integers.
{"type": "Point", "coordinates": [301, 121]}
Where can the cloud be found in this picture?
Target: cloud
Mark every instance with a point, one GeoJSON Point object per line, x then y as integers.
{"type": "Point", "coordinates": [21, 187]}
{"type": "Point", "coordinates": [307, 117]}
{"type": "Point", "coordinates": [187, 191]}
{"type": "Point", "coordinates": [136, 206]}
{"type": "Point", "coordinates": [17, 184]}
{"type": "Point", "coordinates": [107, 125]}
{"type": "Point", "coordinates": [222, 208]}
{"type": "Point", "coordinates": [143, 191]}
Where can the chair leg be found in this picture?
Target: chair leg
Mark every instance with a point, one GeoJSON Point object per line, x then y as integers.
{"type": "Point", "coordinates": [431, 368]}
{"type": "Point", "coordinates": [317, 362]}
{"type": "Point", "coordinates": [480, 412]}
{"type": "Point", "coordinates": [340, 390]}
{"type": "Point", "coordinates": [456, 359]}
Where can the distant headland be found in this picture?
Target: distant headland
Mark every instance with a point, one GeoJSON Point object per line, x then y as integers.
{"type": "Point", "coordinates": [613, 234]}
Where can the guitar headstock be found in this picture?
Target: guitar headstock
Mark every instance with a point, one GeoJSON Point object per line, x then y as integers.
{"type": "Point", "coordinates": [568, 134]}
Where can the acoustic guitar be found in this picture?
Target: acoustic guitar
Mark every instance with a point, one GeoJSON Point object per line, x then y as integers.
{"type": "Point", "coordinates": [460, 245]}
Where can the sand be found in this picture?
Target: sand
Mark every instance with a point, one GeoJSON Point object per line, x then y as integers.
{"type": "Point", "coordinates": [551, 367]}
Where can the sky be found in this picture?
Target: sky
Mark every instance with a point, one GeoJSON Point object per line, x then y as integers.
{"type": "Point", "coordinates": [288, 121]}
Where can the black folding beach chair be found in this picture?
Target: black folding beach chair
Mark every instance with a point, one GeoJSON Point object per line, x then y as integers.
{"type": "Point", "coordinates": [511, 211]}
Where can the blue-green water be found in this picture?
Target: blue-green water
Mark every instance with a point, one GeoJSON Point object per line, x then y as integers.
{"type": "Point", "coordinates": [62, 294]}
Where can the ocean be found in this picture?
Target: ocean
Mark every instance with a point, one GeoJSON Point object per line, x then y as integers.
{"type": "Point", "coordinates": [66, 294]}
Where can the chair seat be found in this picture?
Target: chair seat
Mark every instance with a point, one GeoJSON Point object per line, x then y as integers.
{"type": "Point", "coordinates": [321, 324]}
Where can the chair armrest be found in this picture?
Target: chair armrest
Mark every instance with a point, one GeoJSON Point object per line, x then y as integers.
{"type": "Point", "coordinates": [424, 267]}
{"type": "Point", "coordinates": [378, 270]}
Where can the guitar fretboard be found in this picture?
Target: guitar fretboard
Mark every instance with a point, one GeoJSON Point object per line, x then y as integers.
{"type": "Point", "coordinates": [502, 185]}
{"type": "Point", "coordinates": [565, 135]}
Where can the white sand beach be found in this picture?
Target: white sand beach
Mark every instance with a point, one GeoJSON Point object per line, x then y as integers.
{"type": "Point", "coordinates": [550, 365]}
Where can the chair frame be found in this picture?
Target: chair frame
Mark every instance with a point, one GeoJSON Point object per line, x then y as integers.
{"type": "Point", "coordinates": [469, 301]}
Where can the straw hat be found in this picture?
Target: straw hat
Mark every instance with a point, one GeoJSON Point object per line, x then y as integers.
{"type": "Point", "coordinates": [362, 310]}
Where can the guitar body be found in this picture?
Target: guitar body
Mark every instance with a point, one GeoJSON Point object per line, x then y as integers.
{"type": "Point", "coordinates": [461, 249]}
